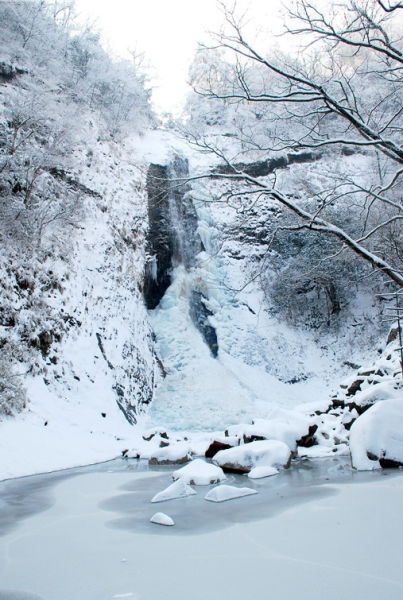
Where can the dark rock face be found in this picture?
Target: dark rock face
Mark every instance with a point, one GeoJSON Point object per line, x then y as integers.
{"type": "Point", "coordinates": [308, 440]}
{"type": "Point", "coordinates": [199, 314]}
{"type": "Point", "coordinates": [388, 463]}
{"type": "Point", "coordinates": [216, 447]}
{"type": "Point", "coordinates": [159, 243]}
{"type": "Point", "coordinates": [173, 240]}
{"type": "Point", "coordinates": [172, 236]}
{"type": "Point", "coordinates": [265, 167]}
{"type": "Point", "coordinates": [247, 439]}
{"type": "Point", "coordinates": [355, 386]}
{"type": "Point", "coordinates": [9, 72]}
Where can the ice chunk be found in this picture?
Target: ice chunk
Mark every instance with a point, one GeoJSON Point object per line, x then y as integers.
{"type": "Point", "coordinates": [268, 453]}
{"type": "Point", "coordinates": [199, 472]}
{"type": "Point", "coordinates": [221, 493]}
{"type": "Point", "coordinates": [376, 437]}
{"type": "Point", "coordinates": [161, 518]}
{"type": "Point", "coordinates": [260, 472]}
{"type": "Point", "coordinates": [178, 489]}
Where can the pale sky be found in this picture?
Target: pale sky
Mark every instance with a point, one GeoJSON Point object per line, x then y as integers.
{"type": "Point", "coordinates": [167, 32]}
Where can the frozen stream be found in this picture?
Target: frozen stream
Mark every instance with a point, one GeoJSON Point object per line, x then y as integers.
{"type": "Point", "coordinates": [316, 531]}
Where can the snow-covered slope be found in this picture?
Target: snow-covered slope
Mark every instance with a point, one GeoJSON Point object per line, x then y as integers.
{"type": "Point", "coordinates": [105, 358]}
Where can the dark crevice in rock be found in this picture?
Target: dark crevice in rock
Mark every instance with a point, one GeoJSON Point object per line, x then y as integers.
{"type": "Point", "coordinates": [172, 235]}
{"type": "Point", "coordinates": [200, 314]}
{"type": "Point", "coordinates": [159, 241]}
{"type": "Point", "coordinates": [173, 240]}
{"type": "Point", "coordinates": [73, 183]}
{"type": "Point", "coordinates": [9, 72]}
{"type": "Point", "coordinates": [265, 167]}
{"type": "Point", "coordinates": [101, 347]}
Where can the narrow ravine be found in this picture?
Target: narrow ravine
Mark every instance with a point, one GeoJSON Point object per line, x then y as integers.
{"type": "Point", "coordinates": [222, 356]}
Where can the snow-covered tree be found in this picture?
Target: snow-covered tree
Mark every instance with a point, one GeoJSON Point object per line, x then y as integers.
{"type": "Point", "coordinates": [337, 96]}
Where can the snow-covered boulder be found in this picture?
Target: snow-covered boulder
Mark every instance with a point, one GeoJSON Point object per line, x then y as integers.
{"type": "Point", "coordinates": [263, 471]}
{"type": "Point", "coordinates": [162, 519]}
{"type": "Point", "coordinates": [376, 437]}
{"type": "Point", "coordinates": [375, 393]}
{"type": "Point", "coordinates": [285, 425]}
{"type": "Point", "coordinates": [174, 454]}
{"type": "Point", "coordinates": [199, 472]}
{"type": "Point", "coordinates": [222, 493]}
{"type": "Point", "coordinates": [178, 489]}
{"type": "Point", "coordinates": [269, 453]}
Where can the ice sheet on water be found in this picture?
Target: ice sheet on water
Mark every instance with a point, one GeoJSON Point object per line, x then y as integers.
{"type": "Point", "coordinates": [14, 595]}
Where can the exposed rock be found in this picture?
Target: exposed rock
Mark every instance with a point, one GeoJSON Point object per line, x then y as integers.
{"type": "Point", "coordinates": [265, 167]}
{"type": "Point", "coordinates": [173, 454]}
{"type": "Point", "coordinates": [388, 463]}
{"type": "Point", "coordinates": [393, 335]}
{"type": "Point", "coordinates": [355, 386]}
{"type": "Point", "coordinates": [157, 277]}
{"type": "Point", "coordinates": [247, 439]}
{"type": "Point", "coordinates": [215, 447]}
{"type": "Point", "coordinates": [200, 314]}
{"type": "Point", "coordinates": [308, 440]}
{"type": "Point", "coordinates": [348, 363]}
{"type": "Point", "coordinates": [9, 72]}
{"type": "Point", "coordinates": [44, 342]}
{"type": "Point", "coordinates": [172, 234]}
{"type": "Point", "coordinates": [157, 460]}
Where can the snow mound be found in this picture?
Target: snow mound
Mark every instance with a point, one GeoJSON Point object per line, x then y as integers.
{"type": "Point", "coordinates": [260, 472]}
{"type": "Point", "coordinates": [178, 489]}
{"type": "Point", "coordinates": [199, 472]}
{"type": "Point", "coordinates": [376, 437]}
{"type": "Point", "coordinates": [222, 493]}
{"type": "Point", "coordinates": [161, 518]}
{"type": "Point", "coordinates": [172, 454]}
{"type": "Point", "coordinates": [269, 453]}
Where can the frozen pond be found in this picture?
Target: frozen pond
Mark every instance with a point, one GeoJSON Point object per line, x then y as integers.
{"type": "Point", "coordinates": [316, 531]}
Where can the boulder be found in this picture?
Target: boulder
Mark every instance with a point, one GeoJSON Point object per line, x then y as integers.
{"type": "Point", "coordinates": [215, 447]}
{"type": "Point", "coordinates": [178, 489]}
{"type": "Point", "coordinates": [162, 519]}
{"type": "Point", "coordinates": [269, 453]}
{"type": "Point", "coordinates": [174, 454]}
{"type": "Point", "coordinates": [199, 472]}
{"type": "Point", "coordinates": [376, 437]}
{"type": "Point", "coordinates": [222, 493]}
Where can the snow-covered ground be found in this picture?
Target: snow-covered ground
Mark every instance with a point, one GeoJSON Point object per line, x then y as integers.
{"type": "Point", "coordinates": [88, 536]}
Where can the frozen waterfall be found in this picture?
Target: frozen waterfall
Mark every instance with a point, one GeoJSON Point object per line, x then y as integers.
{"type": "Point", "coordinates": [225, 359]}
